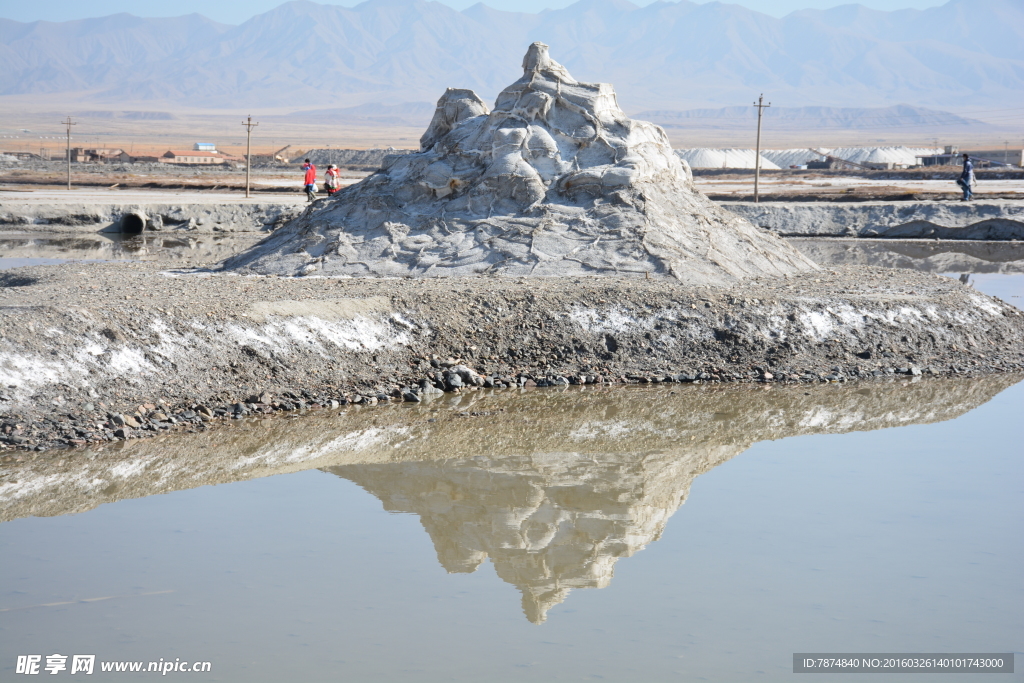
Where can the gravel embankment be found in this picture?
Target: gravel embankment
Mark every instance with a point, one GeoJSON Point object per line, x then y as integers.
{"type": "Point", "coordinates": [101, 351]}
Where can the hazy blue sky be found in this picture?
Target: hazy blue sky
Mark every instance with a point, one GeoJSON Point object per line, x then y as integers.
{"type": "Point", "coordinates": [237, 11]}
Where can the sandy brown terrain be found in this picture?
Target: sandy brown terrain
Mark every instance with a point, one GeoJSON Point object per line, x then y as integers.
{"type": "Point", "coordinates": [223, 178]}
{"type": "Point", "coordinates": [276, 129]}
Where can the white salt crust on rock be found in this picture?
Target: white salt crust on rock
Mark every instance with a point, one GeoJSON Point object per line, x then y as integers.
{"type": "Point", "coordinates": [555, 181]}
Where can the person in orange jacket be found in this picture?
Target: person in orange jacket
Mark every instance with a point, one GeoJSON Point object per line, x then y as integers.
{"type": "Point", "coordinates": [310, 180]}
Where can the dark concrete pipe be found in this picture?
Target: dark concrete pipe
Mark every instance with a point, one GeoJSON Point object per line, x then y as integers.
{"type": "Point", "coordinates": [133, 223]}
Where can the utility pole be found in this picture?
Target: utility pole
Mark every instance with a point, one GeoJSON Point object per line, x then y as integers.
{"type": "Point", "coordinates": [757, 153]}
{"type": "Point", "coordinates": [68, 123]}
{"type": "Point", "coordinates": [249, 125]}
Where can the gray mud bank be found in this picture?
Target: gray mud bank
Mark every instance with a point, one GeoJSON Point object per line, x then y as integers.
{"type": "Point", "coordinates": [134, 217]}
{"type": "Point", "coordinates": [978, 220]}
{"type": "Point", "coordinates": [99, 352]}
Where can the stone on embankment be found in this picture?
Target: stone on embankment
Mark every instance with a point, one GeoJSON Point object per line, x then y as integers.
{"type": "Point", "coordinates": [554, 181]}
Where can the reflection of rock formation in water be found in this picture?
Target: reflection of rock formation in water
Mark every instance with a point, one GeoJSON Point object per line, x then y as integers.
{"type": "Point", "coordinates": [571, 481]}
{"type": "Point", "coordinates": [549, 522]}
{"type": "Point", "coordinates": [702, 424]}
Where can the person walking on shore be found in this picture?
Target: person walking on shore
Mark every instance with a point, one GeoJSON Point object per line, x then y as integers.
{"type": "Point", "coordinates": [966, 179]}
{"type": "Point", "coordinates": [310, 180]}
{"type": "Point", "coordinates": [332, 179]}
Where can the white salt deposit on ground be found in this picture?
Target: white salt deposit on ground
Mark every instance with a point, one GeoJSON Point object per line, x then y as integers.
{"type": "Point", "coordinates": [882, 155]}
{"type": "Point", "coordinates": [704, 157]}
{"type": "Point", "coordinates": [707, 157]}
{"type": "Point", "coordinates": [784, 158]}
{"type": "Point", "coordinates": [902, 156]}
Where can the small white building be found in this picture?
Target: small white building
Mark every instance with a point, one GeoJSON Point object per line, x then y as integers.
{"type": "Point", "coordinates": [204, 147]}
{"type": "Point", "coordinates": [192, 157]}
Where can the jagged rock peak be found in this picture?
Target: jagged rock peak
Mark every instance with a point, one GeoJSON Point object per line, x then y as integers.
{"type": "Point", "coordinates": [555, 180]}
{"type": "Point", "coordinates": [454, 107]}
{"type": "Point", "coordinates": [537, 60]}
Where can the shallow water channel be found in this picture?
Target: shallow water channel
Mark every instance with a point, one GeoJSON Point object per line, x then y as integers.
{"type": "Point", "coordinates": [175, 249]}
{"type": "Point", "coordinates": [670, 533]}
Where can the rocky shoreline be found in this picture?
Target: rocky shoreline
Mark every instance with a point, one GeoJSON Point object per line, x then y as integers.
{"type": "Point", "coordinates": [99, 352]}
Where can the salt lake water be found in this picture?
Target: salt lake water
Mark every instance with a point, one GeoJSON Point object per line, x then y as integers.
{"type": "Point", "coordinates": [669, 533]}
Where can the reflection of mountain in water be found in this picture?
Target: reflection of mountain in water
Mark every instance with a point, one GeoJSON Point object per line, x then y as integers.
{"type": "Point", "coordinates": [550, 522]}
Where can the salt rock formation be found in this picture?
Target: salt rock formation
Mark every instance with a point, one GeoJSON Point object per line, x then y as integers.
{"type": "Point", "coordinates": [556, 180]}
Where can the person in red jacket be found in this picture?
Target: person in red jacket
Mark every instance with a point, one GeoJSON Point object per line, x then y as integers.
{"type": "Point", "coordinates": [310, 180]}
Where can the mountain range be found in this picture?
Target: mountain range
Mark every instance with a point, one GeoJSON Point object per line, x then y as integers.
{"type": "Point", "coordinates": [963, 56]}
